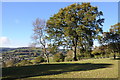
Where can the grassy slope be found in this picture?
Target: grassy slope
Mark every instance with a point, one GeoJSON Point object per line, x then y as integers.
{"type": "Point", "coordinates": [96, 71]}
{"type": "Point", "coordinates": [91, 68]}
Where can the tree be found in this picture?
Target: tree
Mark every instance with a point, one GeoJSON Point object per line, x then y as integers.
{"type": "Point", "coordinates": [102, 51]}
{"type": "Point", "coordinates": [58, 57]}
{"type": "Point", "coordinates": [52, 48]}
{"type": "Point", "coordinates": [112, 38]}
{"type": "Point", "coordinates": [75, 26]}
{"type": "Point", "coordinates": [39, 35]}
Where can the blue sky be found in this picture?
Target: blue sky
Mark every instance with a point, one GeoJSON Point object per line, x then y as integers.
{"type": "Point", "coordinates": [17, 18]}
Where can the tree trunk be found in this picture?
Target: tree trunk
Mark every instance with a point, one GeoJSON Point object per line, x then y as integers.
{"type": "Point", "coordinates": [74, 54]}
{"type": "Point", "coordinates": [47, 59]}
{"type": "Point", "coordinates": [114, 56]}
{"type": "Point", "coordinates": [74, 48]}
{"type": "Point", "coordinates": [45, 54]}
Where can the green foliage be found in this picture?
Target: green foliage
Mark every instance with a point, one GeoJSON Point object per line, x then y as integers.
{"type": "Point", "coordinates": [39, 59]}
{"type": "Point", "coordinates": [115, 28]}
{"type": "Point", "coordinates": [76, 25]}
{"type": "Point", "coordinates": [52, 48]}
{"type": "Point", "coordinates": [112, 38]}
{"type": "Point", "coordinates": [101, 51]}
{"type": "Point", "coordinates": [24, 63]}
{"type": "Point", "coordinates": [97, 51]}
{"type": "Point", "coordinates": [80, 56]}
{"type": "Point", "coordinates": [69, 56]}
{"type": "Point", "coordinates": [58, 57]}
{"type": "Point", "coordinates": [51, 59]}
{"type": "Point", "coordinates": [87, 55]}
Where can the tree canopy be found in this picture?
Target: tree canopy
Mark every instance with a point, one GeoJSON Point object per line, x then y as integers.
{"type": "Point", "coordinates": [75, 26]}
{"type": "Point", "coordinates": [112, 38]}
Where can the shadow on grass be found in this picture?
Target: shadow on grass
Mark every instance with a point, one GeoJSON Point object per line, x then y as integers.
{"type": "Point", "coordinates": [47, 69]}
{"type": "Point", "coordinates": [116, 59]}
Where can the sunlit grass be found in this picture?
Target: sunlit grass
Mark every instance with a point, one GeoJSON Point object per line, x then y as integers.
{"type": "Point", "coordinates": [90, 68]}
{"type": "Point", "coordinates": [108, 72]}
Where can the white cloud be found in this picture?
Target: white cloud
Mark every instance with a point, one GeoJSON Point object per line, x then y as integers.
{"type": "Point", "coordinates": [4, 40]}
{"type": "Point", "coordinates": [7, 42]}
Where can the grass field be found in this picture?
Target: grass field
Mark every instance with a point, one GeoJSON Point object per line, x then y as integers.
{"type": "Point", "coordinates": [91, 68]}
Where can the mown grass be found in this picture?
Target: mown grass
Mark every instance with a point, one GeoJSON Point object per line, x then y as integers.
{"type": "Point", "coordinates": [91, 68]}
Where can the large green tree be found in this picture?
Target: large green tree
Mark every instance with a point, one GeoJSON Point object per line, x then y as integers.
{"type": "Point", "coordinates": [75, 26]}
{"type": "Point", "coordinates": [112, 38]}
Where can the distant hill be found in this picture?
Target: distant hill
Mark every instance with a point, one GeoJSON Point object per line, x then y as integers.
{"type": "Point", "coordinates": [23, 50]}
{"type": "Point", "coordinates": [6, 49]}
{"type": "Point", "coordinates": [2, 49]}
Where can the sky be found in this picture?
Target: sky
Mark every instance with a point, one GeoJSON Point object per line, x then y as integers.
{"type": "Point", "coordinates": [17, 19]}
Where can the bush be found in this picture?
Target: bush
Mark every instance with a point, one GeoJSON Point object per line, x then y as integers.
{"type": "Point", "coordinates": [3, 64]}
{"type": "Point", "coordinates": [51, 59]}
{"type": "Point", "coordinates": [23, 63]}
{"type": "Point", "coordinates": [39, 59]}
{"type": "Point", "coordinates": [59, 57]}
{"type": "Point", "coordinates": [69, 56]}
{"type": "Point", "coordinates": [9, 63]}
{"type": "Point", "coordinates": [80, 56]}
{"type": "Point", "coordinates": [87, 55]}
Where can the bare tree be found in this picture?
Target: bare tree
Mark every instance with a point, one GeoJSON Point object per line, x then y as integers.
{"type": "Point", "coordinates": [40, 34]}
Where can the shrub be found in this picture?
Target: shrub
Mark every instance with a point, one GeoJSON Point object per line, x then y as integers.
{"type": "Point", "coordinates": [3, 64]}
{"type": "Point", "coordinates": [59, 57]}
{"type": "Point", "coordinates": [80, 56]}
{"type": "Point", "coordinates": [39, 59]}
{"type": "Point", "coordinates": [87, 55]}
{"type": "Point", "coordinates": [9, 63]}
{"type": "Point", "coordinates": [51, 59]}
{"type": "Point", "coordinates": [23, 63]}
{"type": "Point", "coordinates": [69, 56]}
